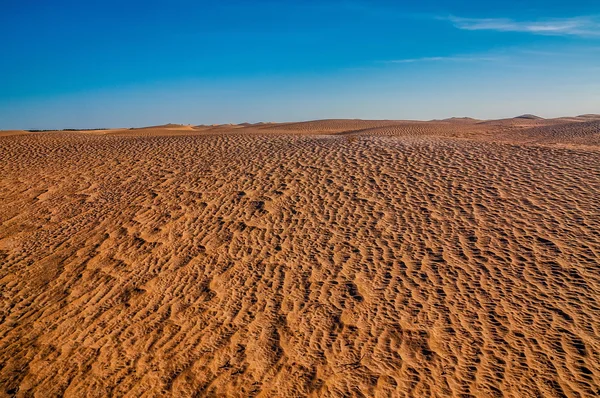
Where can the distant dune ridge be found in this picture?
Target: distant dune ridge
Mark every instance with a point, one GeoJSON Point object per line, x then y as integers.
{"type": "Point", "coordinates": [489, 130]}
{"type": "Point", "coordinates": [328, 258]}
{"type": "Point", "coordinates": [529, 116]}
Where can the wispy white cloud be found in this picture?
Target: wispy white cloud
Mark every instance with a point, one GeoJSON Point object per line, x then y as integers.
{"type": "Point", "coordinates": [445, 59]}
{"type": "Point", "coordinates": [577, 26]}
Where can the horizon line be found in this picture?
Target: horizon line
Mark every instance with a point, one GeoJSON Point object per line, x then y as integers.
{"type": "Point", "coordinates": [246, 124]}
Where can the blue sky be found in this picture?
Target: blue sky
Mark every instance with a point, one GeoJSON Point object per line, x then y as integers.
{"type": "Point", "coordinates": [85, 64]}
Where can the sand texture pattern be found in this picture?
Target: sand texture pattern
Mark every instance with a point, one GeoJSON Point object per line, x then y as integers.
{"type": "Point", "coordinates": [336, 258]}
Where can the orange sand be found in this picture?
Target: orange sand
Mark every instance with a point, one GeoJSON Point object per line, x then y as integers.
{"type": "Point", "coordinates": [329, 258]}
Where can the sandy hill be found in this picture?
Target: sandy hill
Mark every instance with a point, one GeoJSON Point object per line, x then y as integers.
{"type": "Point", "coordinates": [529, 117]}
{"type": "Point", "coordinates": [330, 125]}
{"type": "Point", "coordinates": [584, 133]}
{"type": "Point", "coordinates": [7, 133]}
{"type": "Point", "coordinates": [460, 120]}
{"type": "Point", "coordinates": [327, 258]}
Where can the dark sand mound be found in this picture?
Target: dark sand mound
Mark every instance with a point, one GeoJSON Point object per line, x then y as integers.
{"type": "Point", "coordinates": [529, 116]}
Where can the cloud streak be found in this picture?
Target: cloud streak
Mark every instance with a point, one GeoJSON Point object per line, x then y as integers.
{"type": "Point", "coordinates": [577, 26]}
{"type": "Point", "coordinates": [445, 59]}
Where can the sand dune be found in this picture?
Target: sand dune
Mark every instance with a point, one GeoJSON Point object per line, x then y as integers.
{"type": "Point", "coordinates": [584, 133]}
{"type": "Point", "coordinates": [328, 258]}
{"type": "Point", "coordinates": [7, 133]}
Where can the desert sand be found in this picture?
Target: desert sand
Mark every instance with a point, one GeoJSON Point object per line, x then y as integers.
{"type": "Point", "coordinates": [451, 258]}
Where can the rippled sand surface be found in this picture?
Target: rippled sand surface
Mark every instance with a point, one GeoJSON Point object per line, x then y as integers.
{"type": "Point", "coordinates": [332, 258]}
